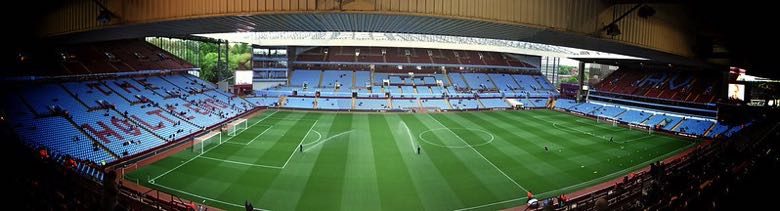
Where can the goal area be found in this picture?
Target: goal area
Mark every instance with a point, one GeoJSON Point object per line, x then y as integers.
{"type": "Point", "coordinates": [205, 142]}
{"type": "Point", "coordinates": [233, 128]}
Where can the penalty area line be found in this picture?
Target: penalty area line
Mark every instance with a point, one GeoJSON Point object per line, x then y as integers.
{"type": "Point", "coordinates": [203, 197]}
{"type": "Point", "coordinates": [193, 158]}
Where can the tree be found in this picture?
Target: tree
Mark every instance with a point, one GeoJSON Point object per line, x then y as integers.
{"type": "Point", "coordinates": [208, 66]}
{"type": "Point", "coordinates": [565, 70]}
{"type": "Point", "coordinates": [206, 56]}
{"type": "Point", "coordinates": [572, 80]}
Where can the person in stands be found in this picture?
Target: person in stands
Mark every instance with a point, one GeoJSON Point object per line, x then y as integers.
{"type": "Point", "coordinates": [43, 153]}
{"type": "Point", "coordinates": [110, 191]}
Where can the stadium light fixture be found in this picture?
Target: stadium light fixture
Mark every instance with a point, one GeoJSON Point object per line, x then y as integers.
{"type": "Point", "coordinates": [645, 11]}
{"type": "Point", "coordinates": [104, 17]}
{"type": "Point", "coordinates": [613, 30]}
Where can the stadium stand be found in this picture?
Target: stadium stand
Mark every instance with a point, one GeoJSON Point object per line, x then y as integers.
{"type": "Point", "coordinates": [346, 55]}
{"type": "Point", "coordinates": [494, 103]}
{"type": "Point", "coordinates": [372, 104]}
{"type": "Point", "coordinates": [301, 78]}
{"type": "Point", "coordinates": [299, 102]}
{"type": "Point", "coordinates": [434, 103]}
{"type": "Point", "coordinates": [693, 126]}
{"type": "Point", "coordinates": [688, 86]}
{"type": "Point", "coordinates": [105, 120]}
{"type": "Point", "coordinates": [335, 103]}
{"type": "Point", "coordinates": [634, 116]}
{"type": "Point", "coordinates": [465, 104]}
{"type": "Point", "coordinates": [405, 104]}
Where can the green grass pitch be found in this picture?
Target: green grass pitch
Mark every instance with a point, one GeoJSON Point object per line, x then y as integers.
{"type": "Point", "coordinates": [359, 161]}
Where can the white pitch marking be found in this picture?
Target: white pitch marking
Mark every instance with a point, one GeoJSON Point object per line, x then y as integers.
{"type": "Point", "coordinates": [480, 154]}
{"type": "Point", "coordinates": [299, 144]}
{"type": "Point", "coordinates": [193, 158]}
{"type": "Point", "coordinates": [324, 140]}
{"type": "Point", "coordinates": [241, 163]}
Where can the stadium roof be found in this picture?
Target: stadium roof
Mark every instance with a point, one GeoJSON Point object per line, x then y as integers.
{"type": "Point", "coordinates": [378, 39]}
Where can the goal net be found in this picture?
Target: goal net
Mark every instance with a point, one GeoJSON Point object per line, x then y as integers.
{"type": "Point", "coordinates": [605, 120]}
{"type": "Point", "coordinates": [233, 128]}
{"type": "Point", "coordinates": [205, 142]}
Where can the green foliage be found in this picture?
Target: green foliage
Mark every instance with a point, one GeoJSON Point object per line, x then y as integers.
{"type": "Point", "coordinates": [565, 70]}
{"type": "Point", "coordinates": [573, 80]}
{"type": "Point", "coordinates": [206, 56]}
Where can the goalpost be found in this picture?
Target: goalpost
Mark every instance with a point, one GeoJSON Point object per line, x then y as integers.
{"type": "Point", "coordinates": [202, 143]}
{"type": "Point", "coordinates": [214, 138]}
{"type": "Point", "coordinates": [235, 127]}
{"type": "Point", "coordinates": [604, 119]}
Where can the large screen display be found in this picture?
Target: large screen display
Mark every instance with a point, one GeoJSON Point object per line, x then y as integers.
{"type": "Point", "coordinates": [737, 92]}
{"type": "Point", "coordinates": [244, 77]}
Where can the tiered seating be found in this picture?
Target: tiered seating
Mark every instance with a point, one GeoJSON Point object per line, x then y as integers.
{"type": "Point", "coordinates": [457, 80]}
{"type": "Point", "coordinates": [102, 57]}
{"type": "Point", "coordinates": [478, 81]}
{"type": "Point", "coordinates": [276, 91]}
{"type": "Point", "coordinates": [685, 86]}
{"type": "Point", "coordinates": [394, 79]}
{"type": "Point", "coordinates": [492, 58]}
{"type": "Point", "coordinates": [455, 93]}
{"type": "Point", "coordinates": [544, 82]}
{"type": "Point", "coordinates": [464, 104]}
{"type": "Point", "coordinates": [396, 55]}
{"type": "Point", "coordinates": [331, 77]}
{"type": "Point", "coordinates": [264, 101]}
{"type": "Point", "coordinates": [586, 108]}
{"type": "Point", "coordinates": [426, 80]}
{"type": "Point", "coordinates": [527, 82]}
{"type": "Point", "coordinates": [432, 103]}
{"type": "Point", "coordinates": [565, 104]}
{"type": "Point", "coordinates": [408, 91]}
{"type": "Point", "coordinates": [299, 102]}
{"type": "Point", "coordinates": [441, 77]}
{"type": "Point", "coordinates": [164, 124]}
{"type": "Point", "coordinates": [608, 111]}
{"type": "Point", "coordinates": [335, 103]}
{"type": "Point", "coordinates": [539, 103]}
{"type": "Point", "coordinates": [55, 133]}
{"type": "Point", "coordinates": [533, 102]}
{"type": "Point", "coordinates": [437, 90]}
{"type": "Point", "coordinates": [408, 56]}
{"type": "Point", "coordinates": [394, 91]}
{"type": "Point", "coordinates": [362, 78]}
{"type": "Point", "coordinates": [736, 128]}
{"type": "Point", "coordinates": [425, 92]}
{"type": "Point", "coordinates": [505, 82]}
{"type": "Point", "coordinates": [694, 126]}
{"type": "Point", "coordinates": [494, 103]}
{"type": "Point", "coordinates": [634, 116]}
{"type": "Point", "coordinates": [658, 119]}
{"type": "Point", "coordinates": [405, 103]}
{"type": "Point", "coordinates": [115, 132]}
{"type": "Point", "coordinates": [201, 113]}
{"type": "Point", "coordinates": [371, 104]}
{"type": "Point", "coordinates": [378, 77]}
{"type": "Point", "coordinates": [309, 77]}
{"type": "Point", "coordinates": [717, 130]}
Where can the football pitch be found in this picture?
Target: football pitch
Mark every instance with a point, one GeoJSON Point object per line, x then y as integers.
{"type": "Point", "coordinates": [370, 161]}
